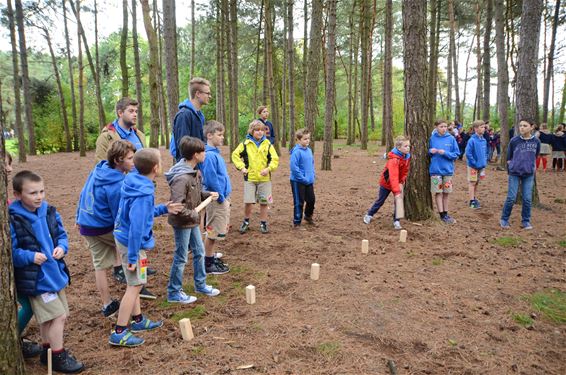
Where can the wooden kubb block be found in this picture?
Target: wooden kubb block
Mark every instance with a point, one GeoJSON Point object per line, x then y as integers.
{"type": "Point", "coordinates": [403, 236]}
{"type": "Point", "coordinates": [186, 329]}
{"type": "Point", "coordinates": [315, 271]}
{"type": "Point", "coordinates": [250, 294]}
{"type": "Point", "coordinates": [365, 246]}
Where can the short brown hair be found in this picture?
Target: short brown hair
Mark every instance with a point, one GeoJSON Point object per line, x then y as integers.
{"type": "Point", "coordinates": [255, 125]}
{"type": "Point", "coordinates": [400, 140]}
{"type": "Point", "coordinates": [189, 146]}
{"type": "Point", "coordinates": [145, 159]}
{"type": "Point", "coordinates": [21, 177]}
{"type": "Point", "coordinates": [196, 84]}
{"type": "Point", "coordinates": [260, 109]}
{"type": "Point", "coordinates": [118, 151]}
{"type": "Point", "coordinates": [299, 134]}
{"type": "Point", "coordinates": [124, 103]}
{"type": "Point", "coordinates": [212, 127]}
{"type": "Point", "coordinates": [439, 121]}
{"type": "Point", "coordinates": [476, 124]}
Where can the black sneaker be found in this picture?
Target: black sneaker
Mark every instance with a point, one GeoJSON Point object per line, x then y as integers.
{"type": "Point", "coordinates": [244, 227]}
{"type": "Point", "coordinates": [217, 267]}
{"type": "Point", "coordinates": [30, 349]}
{"type": "Point", "coordinates": [263, 228]}
{"type": "Point", "coordinates": [66, 363]}
{"type": "Point", "coordinates": [111, 309]}
{"type": "Point", "coordinates": [146, 294]}
{"type": "Point", "coordinates": [119, 276]}
{"type": "Point", "coordinates": [151, 271]}
{"type": "Point", "coordinates": [309, 220]}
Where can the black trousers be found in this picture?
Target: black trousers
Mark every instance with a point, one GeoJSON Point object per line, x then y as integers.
{"type": "Point", "coordinates": [302, 194]}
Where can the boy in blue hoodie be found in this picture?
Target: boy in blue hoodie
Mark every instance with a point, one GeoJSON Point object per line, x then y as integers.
{"type": "Point", "coordinates": [521, 165]}
{"type": "Point", "coordinates": [96, 213]}
{"type": "Point", "coordinates": [39, 243]}
{"type": "Point", "coordinates": [476, 160]}
{"type": "Point", "coordinates": [443, 149]}
{"type": "Point", "coordinates": [215, 178]}
{"type": "Point", "coordinates": [302, 178]}
{"type": "Point", "coordinates": [133, 235]}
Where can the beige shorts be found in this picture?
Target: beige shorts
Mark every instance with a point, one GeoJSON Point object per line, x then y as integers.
{"type": "Point", "coordinates": [257, 192]}
{"type": "Point", "coordinates": [475, 175]}
{"type": "Point", "coordinates": [440, 184]}
{"type": "Point", "coordinates": [48, 306]}
{"type": "Point", "coordinates": [217, 219]}
{"type": "Point", "coordinates": [139, 276]}
{"type": "Point", "coordinates": [103, 250]}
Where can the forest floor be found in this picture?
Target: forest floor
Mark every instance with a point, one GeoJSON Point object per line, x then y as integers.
{"type": "Point", "coordinates": [451, 300]}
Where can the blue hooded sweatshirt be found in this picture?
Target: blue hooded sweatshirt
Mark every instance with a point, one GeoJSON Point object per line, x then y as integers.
{"type": "Point", "coordinates": [476, 152]}
{"type": "Point", "coordinates": [270, 133]}
{"type": "Point", "coordinates": [522, 155]}
{"type": "Point", "coordinates": [51, 277]}
{"type": "Point", "coordinates": [134, 222]}
{"type": "Point", "coordinates": [188, 121]}
{"type": "Point", "coordinates": [214, 174]}
{"type": "Point", "coordinates": [99, 200]}
{"type": "Point", "coordinates": [302, 165]}
{"type": "Point", "coordinates": [443, 165]}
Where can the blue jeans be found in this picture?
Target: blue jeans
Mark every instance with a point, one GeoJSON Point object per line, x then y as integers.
{"type": "Point", "coordinates": [382, 196]}
{"type": "Point", "coordinates": [186, 238]}
{"type": "Point", "coordinates": [527, 193]}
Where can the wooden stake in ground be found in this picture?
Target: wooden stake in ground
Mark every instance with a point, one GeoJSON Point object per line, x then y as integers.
{"type": "Point", "coordinates": [250, 294]}
{"type": "Point", "coordinates": [315, 271]}
{"type": "Point", "coordinates": [203, 204]}
{"type": "Point", "coordinates": [49, 362]}
{"type": "Point", "coordinates": [186, 329]}
{"type": "Point", "coordinates": [365, 246]}
{"type": "Point", "coordinates": [403, 236]}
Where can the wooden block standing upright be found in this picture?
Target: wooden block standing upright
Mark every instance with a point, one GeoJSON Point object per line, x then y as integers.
{"type": "Point", "coordinates": [186, 329]}
{"type": "Point", "coordinates": [403, 236]}
{"type": "Point", "coordinates": [315, 271]}
{"type": "Point", "coordinates": [365, 246]}
{"type": "Point", "coordinates": [49, 362]}
{"type": "Point", "coordinates": [250, 294]}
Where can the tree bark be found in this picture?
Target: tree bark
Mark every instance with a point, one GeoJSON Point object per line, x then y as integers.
{"type": "Point", "coordinates": [388, 77]}
{"type": "Point", "coordinates": [330, 86]}
{"type": "Point", "coordinates": [454, 57]}
{"type": "Point", "coordinates": [137, 65]}
{"type": "Point", "coordinates": [71, 80]}
{"type": "Point", "coordinates": [274, 105]}
{"type": "Point", "coordinates": [305, 50]}
{"type": "Point", "coordinates": [171, 59]}
{"type": "Point", "coordinates": [123, 46]}
{"type": "Point", "coordinates": [418, 201]}
{"type": "Point", "coordinates": [220, 87]}
{"type": "Point", "coordinates": [487, 60]}
{"type": "Point", "coordinates": [478, 104]}
{"type": "Point", "coordinates": [82, 144]}
{"type": "Point", "coordinates": [153, 72]}
{"type": "Point", "coordinates": [233, 80]}
{"type": "Point", "coordinates": [163, 120]}
{"type": "Point", "coordinates": [550, 64]}
{"type": "Point", "coordinates": [433, 61]}
{"type": "Point", "coordinates": [366, 27]}
{"type": "Point", "coordinates": [502, 81]}
{"type": "Point", "coordinates": [562, 102]}
{"type": "Point", "coordinates": [351, 62]}
{"type": "Point", "coordinates": [291, 74]}
{"type": "Point", "coordinates": [314, 58]}
{"type": "Point", "coordinates": [192, 38]}
{"type": "Point", "coordinates": [284, 71]}
{"type": "Point", "coordinates": [258, 49]}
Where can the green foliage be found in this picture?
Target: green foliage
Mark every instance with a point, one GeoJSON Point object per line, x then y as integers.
{"type": "Point", "coordinates": [522, 319]}
{"type": "Point", "coordinates": [508, 241]}
{"type": "Point", "coordinates": [551, 303]}
{"type": "Point", "coordinates": [328, 349]}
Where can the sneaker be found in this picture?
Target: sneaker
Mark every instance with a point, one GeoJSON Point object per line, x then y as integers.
{"type": "Point", "coordinates": [208, 290]}
{"type": "Point", "coordinates": [244, 227]}
{"type": "Point", "coordinates": [146, 294]}
{"type": "Point", "coordinates": [448, 220]}
{"type": "Point", "coordinates": [527, 226]}
{"type": "Point", "coordinates": [367, 219]}
{"type": "Point", "coordinates": [309, 220]}
{"type": "Point", "coordinates": [397, 225]}
{"type": "Point", "coordinates": [65, 362]}
{"type": "Point", "coordinates": [181, 297]}
{"type": "Point", "coordinates": [217, 267]}
{"type": "Point", "coordinates": [504, 224]}
{"type": "Point", "coordinates": [126, 338]}
{"type": "Point", "coordinates": [263, 228]}
{"type": "Point", "coordinates": [119, 276]}
{"type": "Point", "coordinates": [111, 309]}
{"type": "Point", "coordinates": [151, 271]}
{"type": "Point", "coordinates": [30, 349]}
{"type": "Point", "coordinates": [475, 204]}
{"type": "Point", "coordinates": [145, 325]}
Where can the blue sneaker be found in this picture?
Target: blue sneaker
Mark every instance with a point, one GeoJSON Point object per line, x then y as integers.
{"type": "Point", "coordinates": [126, 338]}
{"type": "Point", "coordinates": [208, 290]}
{"type": "Point", "coordinates": [145, 325]}
{"type": "Point", "coordinates": [504, 224]}
{"type": "Point", "coordinates": [181, 297]}
{"type": "Point", "coordinates": [527, 226]}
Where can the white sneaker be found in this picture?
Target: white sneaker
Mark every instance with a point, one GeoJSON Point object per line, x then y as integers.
{"type": "Point", "coordinates": [181, 297]}
{"type": "Point", "coordinates": [209, 291]}
{"type": "Point", "coordinates": [367, 219]}
{"type": "Point", "coordinates": [397, 225]}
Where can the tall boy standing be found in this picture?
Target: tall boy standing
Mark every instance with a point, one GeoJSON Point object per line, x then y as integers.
{"type": "Point", "coordinates": [39, 243]}
{"type": "Point", "coordinates": [215, 178]}
{"type": "Point", "coordinates": [302, 178]}
{"type": "Point", "coordinates": [133, 234]}
{"type": "Point", "coordinates": [476, 160]}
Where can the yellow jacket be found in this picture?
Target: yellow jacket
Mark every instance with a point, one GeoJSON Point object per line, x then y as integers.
{"type": "Point", "coordinates": [254, 159]}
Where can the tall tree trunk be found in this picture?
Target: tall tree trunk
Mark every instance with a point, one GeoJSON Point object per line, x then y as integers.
{"type": "Point", "coordinates": [463, 103]}
{"type": "Point", "coordinates": [330, 86]}
{"type": "Point", "coordinates": [137, 64]}
{"type": "Point", "coordinates": [163, 120]}
{"type": "Point", "coordinates": [220, 96]}
{"type": "Point", "coordinates": [82, 143]}
{"type": "Point", "coordinates": [171, 60]}
{"type": "Point", "coordinates": [388, 77]}
{"type": "Point", "coordinates": [502, 80]}
{"type": "Point", "coordinates": [351, 62]}
{"type": "Point", "coordinates": [487, 59]}
{"type": "Point", "coordinates": [68, 144]}
{"type": "Point", "coordinates": [123, 47]}
{"type": "Point", "coordinates": [433, 61]}
{"type": "Point", "coordinates": [274, 106]}
{"type": "Point", "coordinates": [479, 86]}
{"type": "Point", "coordinates": [283, 137]}
{"type": "Point", "coordinates": [71, 80]}
{"type": "Point", "coordinates": [291, 74]}
{"type": "Point", "coordinates": [193, 28]}
{"type": "Point", "coordinates": [25, 77]}
{"type": "Point", "coordinates": [233, 81]}
{"type": "Point", "coordinates": [314, 57]}
{"type": "Point", "coordinates": [16, 81]}
{"type": "Point", "coordinates": [417, 192]}
{"type": "Point", "coordinates": [457, 111]}
{"type": "Point", "coordinates": [366, 27]}
{"type": "Point", "coordinates": [258, 49]}
{"type": "Point", "coordinates": [305, 51]}
{"type": "Point", "coordinates": [550, 64]}
{"type": "Point", "coordinates": [226, 28]}
{"type": "Point", "coordinates": [153, 72]}
{"type": "Point", "coordinates": [562, 102]}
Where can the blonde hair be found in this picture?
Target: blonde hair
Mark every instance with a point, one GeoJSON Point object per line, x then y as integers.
{"type": "Point", "coordinates": [196, 84]}
{"type": "Point", "coordinates": [255, 125]}
{"type": "Point", "coordinates": [400, 140]}
{"type": "Point", "coordinates": [476, 124]}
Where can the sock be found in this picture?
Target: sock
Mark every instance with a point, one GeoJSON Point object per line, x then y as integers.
{"type": "Point", "coordinates": [247, 220]}
{"type": "Point", "coordinates": [208, 260]}
{"type": "Point", "coordinates": [58, 351]}
{"type": "Point", "coordinates": [120, 329]}
{"type": "Point", "coordinates": [137, 318]}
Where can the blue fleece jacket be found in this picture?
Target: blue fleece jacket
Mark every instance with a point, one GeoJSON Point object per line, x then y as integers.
{"type": "Point", "coordinates": [214, 174]}
{"type": "Point", "coordinates": [269, 133]}
{"type": "Point", "coordinates": [188, 121]}
{"type": "Point", "coordinates": [476, 152]}
{"type": "Point", "coordinates": [51, 276]}
{"type": "Point", "coordinates": [521, 155]}
{"type": "Point", "coordinates": [134, 223]}
{"type": "Point", "coordinates": [302, 165]}
{"type": "Point", "coordinates": [100, 198]}
{"type": "Point", "coordinates": [443, 165]}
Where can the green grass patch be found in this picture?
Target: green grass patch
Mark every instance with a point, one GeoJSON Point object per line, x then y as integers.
{"type": "Point", "coordinates": [239, 269]}
{"type": "Point", "coordinates": [165, 304]}
{"type": "Point", "coordinates": [328, 349]}
{"type": "Point", "coordinates": [522, 319]}
{"type": "Point", "coordinates": [562, 243]}
{"type": "Point", "coordinates": [197, 350]}
{"type": "Point", "coordinates": [195, 313]}
{"type": "Point", "coordinates": [437, 261]}
{"type": "Point", "coordinates": [559, 200]}
{"type": "Point", "coordinates": [508, 241]}
{"type": "Point", "coordinates": [550, 303]}
{"type": "Point", "coordinates": [452, 342]}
